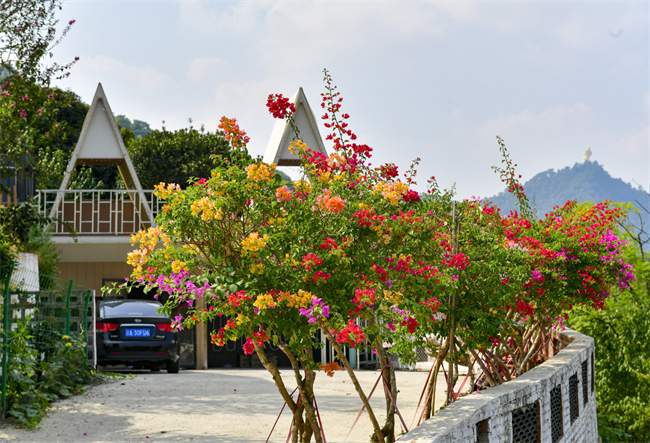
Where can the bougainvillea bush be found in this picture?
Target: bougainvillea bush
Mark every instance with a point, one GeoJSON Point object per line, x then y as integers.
{"type": "Point", "coordinates": [353, 251]}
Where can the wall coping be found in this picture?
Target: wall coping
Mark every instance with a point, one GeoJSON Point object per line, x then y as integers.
{"type": "Point", "coordinates": [473, 408]}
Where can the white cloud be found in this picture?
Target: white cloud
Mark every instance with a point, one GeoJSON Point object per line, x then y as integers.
{"type": "Point", "coordinates": [563, 121]}
{"type": "Point", "coordinates": [221, 18]}
{"type": "Point", "coordinates": [206, 68]}
{"type": "Point", "coordinates": [299, 35]}
{"type": "Point", "coordinates": [146, 79]}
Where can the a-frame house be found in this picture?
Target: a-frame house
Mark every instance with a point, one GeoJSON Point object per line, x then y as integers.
{"type": "Point", "coordinates": [100, 143]}
{"type": "Point", "coordinates": [103, 219]}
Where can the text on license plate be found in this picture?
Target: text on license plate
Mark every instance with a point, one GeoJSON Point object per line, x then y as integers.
{"type": "Point", "coordinates": [137, 332]}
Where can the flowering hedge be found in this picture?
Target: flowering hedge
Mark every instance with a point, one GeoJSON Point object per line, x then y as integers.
{"type": "Point", "coordinates": [356, 253]}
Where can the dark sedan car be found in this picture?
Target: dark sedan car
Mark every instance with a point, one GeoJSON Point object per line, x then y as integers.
{"type": "Point", "coordinates": [132, 332]}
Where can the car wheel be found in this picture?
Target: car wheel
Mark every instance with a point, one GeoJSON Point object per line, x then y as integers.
{"type": "Point", "coordinates": [174, 367]}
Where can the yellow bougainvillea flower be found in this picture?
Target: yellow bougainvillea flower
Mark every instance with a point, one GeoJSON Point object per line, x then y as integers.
{"type": "Point", "coordinates": [177, 265]}
{"type": "Point", "coordinates": [165, 190]}
{"type": "Point", "coordinates": [302, 186]}
{"type": "Point", "coordinates": [207, 208]}
{"type": "Point", "coordinates": [264, 301]}
{"type": "Point", "coordinates": [253, 242]}
{"type": "Point", "coordinates": [394, 192]}
{"type": "Point", "coordinates": [297, 147]}
{"type": "Point", "coordinates": [260, 172]}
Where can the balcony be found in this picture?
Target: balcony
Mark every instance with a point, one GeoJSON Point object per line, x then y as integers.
{"type": "Point", "coordinates": [102, 212]}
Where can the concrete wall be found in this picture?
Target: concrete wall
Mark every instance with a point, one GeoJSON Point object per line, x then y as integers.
{"type": "Point", "coordinates": [458, 422]}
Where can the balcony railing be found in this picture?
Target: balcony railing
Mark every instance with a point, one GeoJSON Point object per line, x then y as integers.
{"type": "Point", "coordinates": [100, 212]}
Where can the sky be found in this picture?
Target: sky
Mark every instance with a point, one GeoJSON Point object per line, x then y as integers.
{"type": "Point", "coordinates": [431, 80]}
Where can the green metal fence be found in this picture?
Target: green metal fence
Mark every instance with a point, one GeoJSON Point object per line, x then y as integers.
{"type": "Point", "coordinates": [48, 306]}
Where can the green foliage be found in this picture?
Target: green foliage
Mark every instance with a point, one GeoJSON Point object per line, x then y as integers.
{"type": "Point", "coordinates": [139, 128]}
{"type": "Point", "coordinates": [17, 221]}
{"type": "Point", "coordinates": [176, 156]}
{"type": "Point", "coordinates": [622, 335]}
{"type": "Point", "coordinates": [48, 132]}
{"type": "Point", "coordinates": [24, 229]}
{"type": "Point", "coordinates": [7, 251]}
{"type": "Point", "coordinates": [39, 242]}
{"type": "Point", "coordinates": [57, 133]}
{"type": "Point", "coordinates": [44, 365]}
{"type": "Point", "coordinates": [28, 30]}
{"type": "Point", "coordinates": [28, 36]}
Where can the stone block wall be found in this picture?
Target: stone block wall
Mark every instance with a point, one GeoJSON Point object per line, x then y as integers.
{"type": "Point", "coordinates": [552, 403]}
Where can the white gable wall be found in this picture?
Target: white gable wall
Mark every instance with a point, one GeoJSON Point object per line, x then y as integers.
{"type": "Point", "coordinates": [100, 141]}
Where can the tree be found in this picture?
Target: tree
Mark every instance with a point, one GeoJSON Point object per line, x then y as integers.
{"type": "Point", "coordinates": [622, 335]}
{"type": "Point", "coordinates": [355, 253]}
{"type": "Point", "coordinates": [27, 37]}
{"type": "Point", "coordinates": [138, 127]}
{"type": "Point", "coordinates": [177, 156]}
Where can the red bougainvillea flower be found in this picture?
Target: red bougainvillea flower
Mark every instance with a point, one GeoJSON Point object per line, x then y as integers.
{"type": "Point", "coordinates": [249, 347]}
{"type": "Point", "coordinates": [412, 196]}
{"type": "Point", "coordinates": [279, 106]}
{"type": "Point", "coordinates": [352, 334]}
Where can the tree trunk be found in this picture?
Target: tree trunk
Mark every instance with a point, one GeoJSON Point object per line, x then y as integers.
{"type": "Point", "coordinates": [389, 375]}
{"type": "Point", "coordinates": [378, 434]}
{"type": "Point", "coordinates": [306, 389]}
{"type": "Point", "coordinates": [431, 391]}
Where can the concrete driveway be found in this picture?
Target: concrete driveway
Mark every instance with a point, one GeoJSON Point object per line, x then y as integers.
{"type": "Point", "coordinates": [219, 405]}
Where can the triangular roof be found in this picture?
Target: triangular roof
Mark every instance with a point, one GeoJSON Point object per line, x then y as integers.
{"type": "Point", "coordinates": [100, 143]}
{"type": "Point", "coordinates": [277, 150]}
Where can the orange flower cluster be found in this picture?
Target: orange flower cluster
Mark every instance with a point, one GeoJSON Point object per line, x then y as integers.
{"type": "Point", "coordinates": [283, 194]}
{"type": "Point", "coordinates": [232, 132]}
{"type": "Point", "coordinates": [331, 204]}
{"type": "Point", "coordinates": [330, 368]}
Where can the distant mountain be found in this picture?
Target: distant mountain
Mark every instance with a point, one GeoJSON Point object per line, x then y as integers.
{"type": "Point", "coordinates": [583, 182]}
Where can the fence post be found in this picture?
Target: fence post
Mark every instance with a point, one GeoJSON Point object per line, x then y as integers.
{"type": "Point", "coordinates": [85, 325]}
{"type": "Point", "coordinates": [5, 338]}
{"type": "Point", "coordinates": [67, 308]}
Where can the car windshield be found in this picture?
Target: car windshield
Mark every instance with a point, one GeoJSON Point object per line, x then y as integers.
{"type": "Point", "coordinates": [132, 309]}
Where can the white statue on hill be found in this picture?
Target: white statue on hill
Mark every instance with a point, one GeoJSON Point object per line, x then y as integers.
{"type": "Point", "coordinates": [587, 155]}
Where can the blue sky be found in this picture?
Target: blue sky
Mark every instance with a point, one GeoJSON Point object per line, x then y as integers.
{"type": "Point", "coordinates": [435, 80]}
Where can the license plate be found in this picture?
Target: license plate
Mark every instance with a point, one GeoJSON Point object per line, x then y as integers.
{"type": "Point", "coordinates": [137, 332]}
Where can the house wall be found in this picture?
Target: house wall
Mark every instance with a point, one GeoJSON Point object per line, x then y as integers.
{"type": "Point", "coordinates": [91, 274]}
{"type": "Point", "coordinates": [458, 422]}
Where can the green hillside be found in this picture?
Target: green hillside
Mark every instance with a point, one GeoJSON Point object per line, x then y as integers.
{"type": "Point", "coordinates": [583, 182]}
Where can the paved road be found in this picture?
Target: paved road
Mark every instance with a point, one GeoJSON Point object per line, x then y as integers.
{"type": "Point", "coordinates": [220, 405]}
